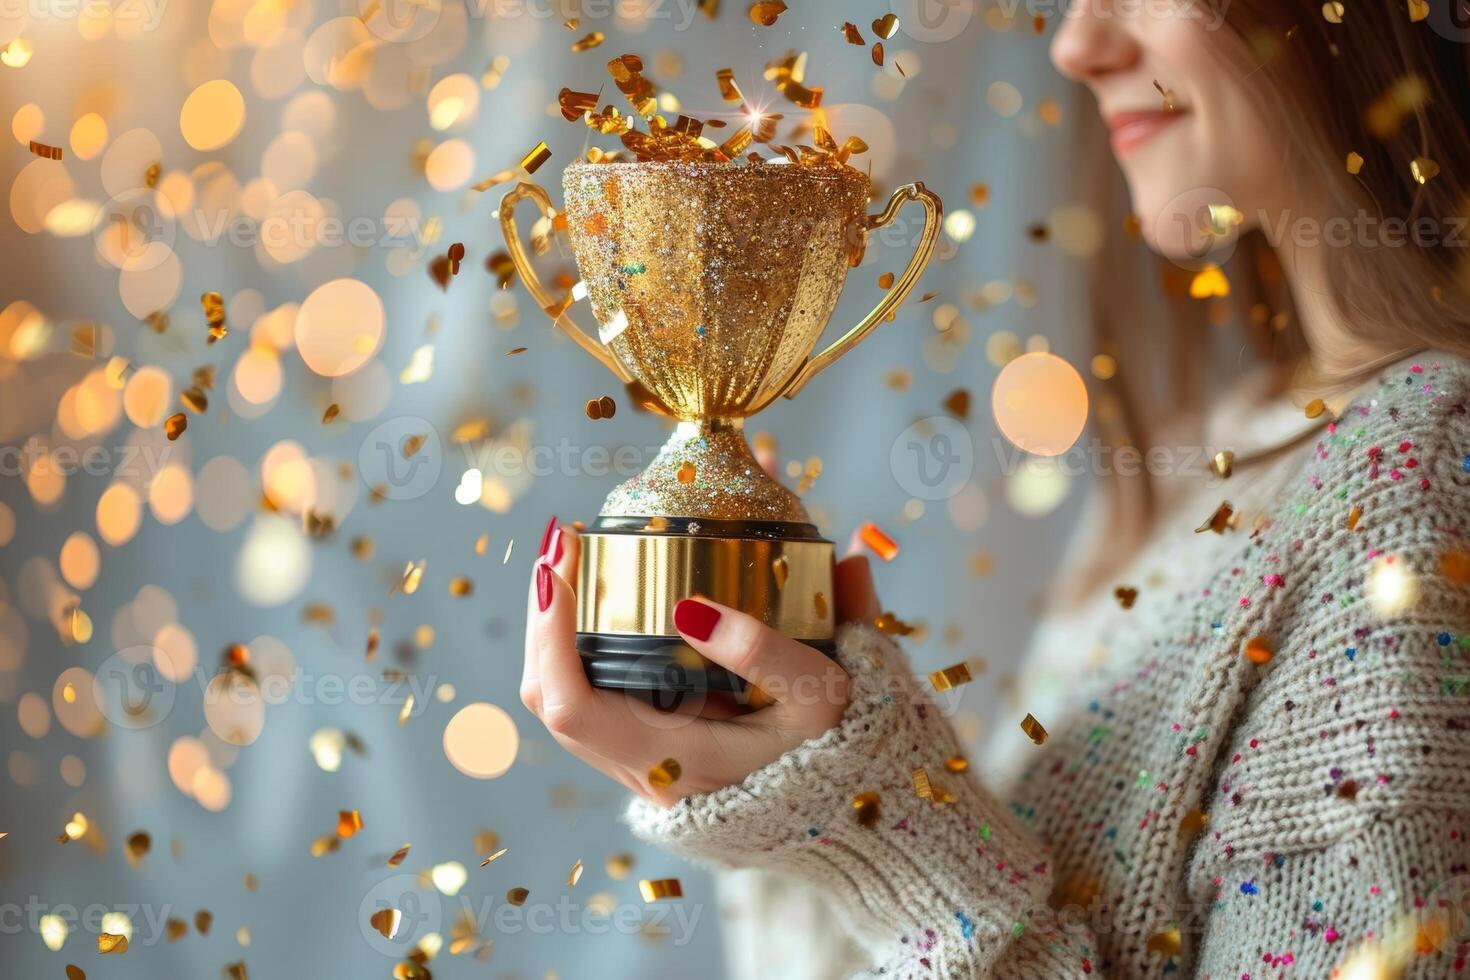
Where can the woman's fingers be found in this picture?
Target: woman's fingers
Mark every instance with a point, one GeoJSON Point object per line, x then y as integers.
{"type": "Point", "coordinates": [857, 598]}
{"type": "Point", "coordinates": [560, 546]}
{"type": "Point", "coordinates": [795, 676]}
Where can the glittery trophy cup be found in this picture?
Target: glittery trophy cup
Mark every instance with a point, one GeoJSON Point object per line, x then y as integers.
{"type": "Point", "coordinates": [711, 283]}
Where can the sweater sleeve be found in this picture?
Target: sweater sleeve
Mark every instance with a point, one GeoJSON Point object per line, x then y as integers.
{"type": "Point", "coordinates": [947, 881]}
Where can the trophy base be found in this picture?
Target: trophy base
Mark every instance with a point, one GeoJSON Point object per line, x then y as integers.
{"type": "Point", "coordinates": [634, 570]}
{"type": "Point", "coordinates": [661, 665]}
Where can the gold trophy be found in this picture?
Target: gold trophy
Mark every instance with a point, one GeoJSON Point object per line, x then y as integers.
{"type": "Point", "coordinates": [711, 284]}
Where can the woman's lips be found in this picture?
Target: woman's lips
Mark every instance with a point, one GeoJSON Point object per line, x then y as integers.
{"type": "Point", "coordinates": [1130, 130]}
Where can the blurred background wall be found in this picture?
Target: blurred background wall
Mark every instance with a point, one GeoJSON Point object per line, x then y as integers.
{"type": "Point", "coordinates": [341, 144]}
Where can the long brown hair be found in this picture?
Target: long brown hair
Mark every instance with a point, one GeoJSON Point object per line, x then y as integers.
{"type": "Point", "coordinates": [1378, 84]}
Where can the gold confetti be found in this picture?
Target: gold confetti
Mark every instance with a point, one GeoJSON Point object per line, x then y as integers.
{"type": "Point", "coordinates": [618, 865]}
{"type": "Point", "coordinates": [399, 856]}
{"type": "Point", "coordinates": [138, 846]}
{"type": "Point", "coordinates": [1315, 408]}
{"type": "Point", "coordinates": [819, 605]}
{"type": "Point", "coordinates": [45, 151]}
{"type": "Point", "coordinates": [509, 545]}
{"type": "Point", "coordinates": [518, 896]}
{"type": "Point", "coordinates": [1258, 650]}
{"type": "Point", "coordinates": [110, 943]}
{"type": "Point", "coordinates": [878, 53]}
{"type": "Point", "coordinates": [874, 537]}
{"type": "Point", "coordinates": [765, 12]}
{"type": "Point", "coordinates": [665, 774]}
{"type": "Point", "coordinates": [1354, 516]}
{"type": "Point", "coordinates": [75, 973]}
{"type": "Point", "coordinates": [174, 425]}
{"type": "Point", "coordinates": [780, 570]}
{"type": "Point", "coordinates": [406, 711]}
{"type": "Point", "coordinates": [460, 586]}
{"type": "Point", "coordinates": [325, 845]}
{"type": "Point", "coordinates": [922, 787]}
{"type": "Point", "coordinates": [176, 929]}
{"type": "Point", "coordinates": [885, 281]}
{"type": "Point", "coordinates": [686, 472]}
{"type": "Point", "coordinates": [574, 875]}
{"type": "Point", "coordinates": [349, 822]}
{"type": "Point", "coordinates": [1034, 730]}
{"type": "Point", "coordinates": [214, 315]}
{"type": "Point", "coordinates": [957, 763]}
{"type": "Point", "coordinates": [386, 922]}
{"type": "Point", "coordinates": [202, 922]}
{"type": "Point", "coordinates": [1332, 11]}
{"type": "Point", "coordinates": [957, 403]}
{"type": "Point", "coordinates": [1209, 282]}
{"type": "Point", "coordinates": [1167, 943]}
{"type": "Point", "coordinates": [1423, 169]}
{"type": "Point", "coordinates": [951, 677]}
{"type": "Point", "coordinates": [1126, 596]}
{"type": "Point", "coordinates": [889, 624]}
{"type": "Point", "coordinates": [655, 889]}
{"type": "Point", "coordinates": [1418, 10]}
{"type": "Point", "coordinates": [601, 408]}
{"type": "Point", "coordinates": [1354, 162]}
{"type": "Point", "coordinates": [869, 809]}
{"type": "Point", "coordinates": [539, 154]}
{"type": "Point", "coordinates": [1168, 94]}
{"type": "Point", "coordinates": [886, 26]}
{"type": "Point", "coordinates": [1192, 823]}
{"type": "Point", "coordinates": [853, 35]}
{"type": "Point", "coordinates": [1223, 464]}
{"type": "Point", "coordinates": [492, 857]}
{"type": "Point", "coordinates": [413, 574]}
{"type": "Point", "coordinates": [1224, 518]}
{"type": "Point", "coordinates": [587, 43]}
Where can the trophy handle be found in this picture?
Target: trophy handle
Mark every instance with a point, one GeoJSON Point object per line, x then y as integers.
{"type": "Point", "coordinates": [933, 209]}
{"type": "Point", "coordinates": [550, 305]}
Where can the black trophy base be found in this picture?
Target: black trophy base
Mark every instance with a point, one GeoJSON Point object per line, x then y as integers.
{"type": "Point", "coordinates": [660, 665]}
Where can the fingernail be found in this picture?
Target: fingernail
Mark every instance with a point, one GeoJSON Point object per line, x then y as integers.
{"type": "Point", "coordinates": [551, 526]}
{"type": "Point", "coordinates": [694, 618]}
{"type": "Point", "coordinates": [558, 544]}
{"type": "Point", "coordinates": [543, 585]}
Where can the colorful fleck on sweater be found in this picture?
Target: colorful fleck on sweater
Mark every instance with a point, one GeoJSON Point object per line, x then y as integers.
{"type": "Point", "coordinates": [1269, 775]}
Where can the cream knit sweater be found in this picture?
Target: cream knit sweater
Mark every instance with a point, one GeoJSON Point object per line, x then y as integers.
{"type": "Point", "coordinates": [1270, 776]}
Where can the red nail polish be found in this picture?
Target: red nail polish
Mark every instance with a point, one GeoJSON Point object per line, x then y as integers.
{"type": "Point", "coordinates": [551, 526]}
{"type": "Point", "coordinates": [543, 585]}
{"type": "Point", "coordinates": [694, 618]}
{"type": "Point", "coordinates": [558, 545]}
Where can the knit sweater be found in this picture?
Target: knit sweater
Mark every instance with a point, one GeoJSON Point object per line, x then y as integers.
{"type": "Point", "coordinates": [1269, 774]}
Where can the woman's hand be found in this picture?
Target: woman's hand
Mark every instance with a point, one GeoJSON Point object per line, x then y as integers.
{"type": "Point", "coordinates": [714, 743]}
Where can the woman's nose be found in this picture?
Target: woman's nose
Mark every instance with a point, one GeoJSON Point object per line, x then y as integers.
{"type": "Point", "coordinates": [1091, 43]}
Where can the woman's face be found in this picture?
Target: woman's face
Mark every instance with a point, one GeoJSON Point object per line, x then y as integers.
{"type": "Point", "coordinates": [1204, 141]}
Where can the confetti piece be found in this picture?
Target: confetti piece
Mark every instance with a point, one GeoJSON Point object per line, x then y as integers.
{"type": "Point", "coordinates": [874, 537]}
{"type": "Point", "coordinates": [1258, 650]}
{"type": "Point", "coordinates": [886, 26]}
{"type": "Point", "coordinates": [853, 35]}
{"type": "Point", "coordinates": [890, 625]}
{"type": "Point", "coordinates": [923, 789]}
{"type": "Point", "coordinates": [1192, 823]}
{"type": "Point", "coordinates": [1034, 730]}
{"type": "Point", "coordinates": [386, 922]}
{"type": "Point", "coordinates": [957, 763]}
{"type": "Point", "coordinates": [539, 154]}
{"type": "Point", "coordinates": [766, 12]}
{"type": "Point", "coordinates": [878, 54]}
{"type": "Point", "coordinates": [1167, 943]}
{"type": "Point", "coordinates": [509, 545]}
{"type": "Point", "coordinates": [1126, 596]}
{"type": "Point", "coordinates": [174, 425]}
{"type": "Point", "coordinates": [618, 865]}
{"type": "Point", "coordinates": [957, 403]}
{"type": "Point", "coordinates": [819, 605]}
{"type": "Point", "coordinates": [110, 943]}
{"type": "Point", "coordinates": [665, 774]}
{"type": "Point", "coordinates": [1418, 10]}
{"type": "Point", "coordinates": [780, 570]}
{"type": "Point", "coordinates": [75, 973]}
{"type": "Point", "coordinates": [1168, 95]}
{"type": "Point", "coordinates": [349, 822]}
{"type": "Point", "coordinates": [214, 314]}
{"type": "Point", "coordinates": [656, 889]}
{"type": "Point", "coordinates": [1354, 516]}
{"type": "Point", "coordinates": [406, 711]}
{"type": "Point", "coordinates": [1332, 12]}
{"type": "Point", "coordinates": [868, 808]}
{"type": "Point", "coordinates": [600, 408]}
{"type": "Point", "coordinates": [587, 43]}
{"type": "Point", "coordinates": [686, 472]}
{"type": "Point", "coordinates": [497, 854]}
{"type": "Point", "coordinates": [333, 410]}
{"type": "Point", "coordinates": [1209, 282]}
{"type": "Point", "coordinates": [951, 677]}
{"type": "Point", "coordinates": [137, 847]}
{"type": "Point", "coordinates": [1354, 162]}
{"type": "Point", "coordinates": [518, 896]}
{"type": "Point", "coordinates": [1224, 518]}
{"type": "Point", "coordinates": [1423, 169]}
{"type": "Point", "coordinates": [45, 151]}
{"type": "Point", "coordinates": [399, 856]}
{"type": "Point", "coordinates": [461, 586]}
{"type": "Point", "coordinates": [1315, 408]}
{"type": "Point", "coordinates": [574, 875]}
{"type": "Point", "coordinates": [1223, 464]}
